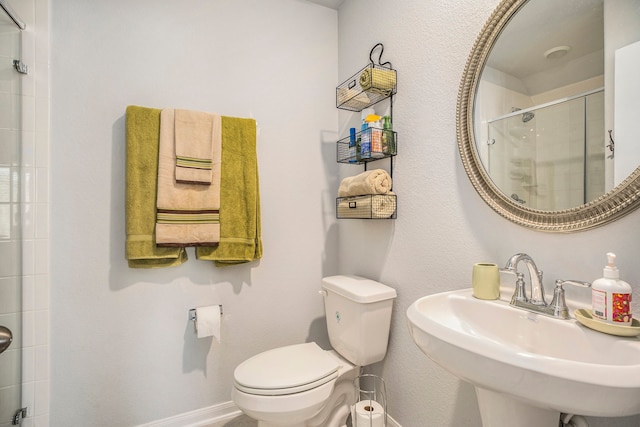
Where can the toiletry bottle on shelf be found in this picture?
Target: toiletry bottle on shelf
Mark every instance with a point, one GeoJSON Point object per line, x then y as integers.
{"type": "Point", "coordinates": [365, 133]}
{"type": "Point", "coordinates": [611, 297]}
{"type": "Point", "coordinates": [352, 145]}
{"type": "Point", "coordinates": [376, 139]}
{"type": "Point", "coordinates": [388, 144]}
{"type": "Point", "coordinates": [365, 141]}
{"type": "Point", "coordinates": [375, 135]}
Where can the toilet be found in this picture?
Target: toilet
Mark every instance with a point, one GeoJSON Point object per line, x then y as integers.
{"type": "Point", "coordinates": [302, 385]}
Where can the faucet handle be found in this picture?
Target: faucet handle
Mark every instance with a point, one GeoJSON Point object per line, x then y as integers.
{"type": "Point", "coordinates": [520, 293]}
{"type": "Point", "coordinates": [558, 305]}
{"type": "Point", "coordinates": [580, 283]}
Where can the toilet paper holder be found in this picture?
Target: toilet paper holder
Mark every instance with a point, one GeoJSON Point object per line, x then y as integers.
{"type": "Point", "coordinates": [192, 313]}
{"type": "Point", "coordinates": [370, 409]}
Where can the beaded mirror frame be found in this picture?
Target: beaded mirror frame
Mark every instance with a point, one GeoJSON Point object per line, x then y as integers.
{"type": "Point", "coordinates": [620, 201]}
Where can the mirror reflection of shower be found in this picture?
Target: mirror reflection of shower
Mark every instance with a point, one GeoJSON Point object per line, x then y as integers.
{"type": "Point", "coordinates": [528, 116]}
{"type": "Point", "coordinates": [540, 154]}
{"type": "Point", "coordinates": [525, 116]}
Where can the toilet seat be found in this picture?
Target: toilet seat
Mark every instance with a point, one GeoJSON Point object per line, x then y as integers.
{"type": "Point", "coordinates": [286, 370]}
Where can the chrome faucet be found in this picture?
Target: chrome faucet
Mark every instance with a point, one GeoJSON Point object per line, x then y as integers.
{"type": "Point", "coordinates": [537, 303]}
{"type": "Point", "coordinates": [537, 290]}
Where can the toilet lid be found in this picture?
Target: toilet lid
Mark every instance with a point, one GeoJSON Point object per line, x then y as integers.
{"type": "Point", "coordinates": [286, 370]}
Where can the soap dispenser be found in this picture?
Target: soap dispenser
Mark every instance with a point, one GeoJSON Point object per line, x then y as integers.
{"type": "Point", "coordinates": [611, 297]}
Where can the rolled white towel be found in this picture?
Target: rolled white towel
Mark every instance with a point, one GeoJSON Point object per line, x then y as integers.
{"type": "Point", "coordinates": [376, 181]}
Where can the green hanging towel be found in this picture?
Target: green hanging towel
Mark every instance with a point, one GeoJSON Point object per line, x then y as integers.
{"type": "Point", "coordinates": [240, 233]}
{"type": "Point", "coordinates": [142, 138]}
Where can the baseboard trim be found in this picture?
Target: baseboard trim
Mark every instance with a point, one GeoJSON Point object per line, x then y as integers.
{"type": "Point", "coordinates": [221, 412]}
{"type": "Point", "coordinates": [199, 417]}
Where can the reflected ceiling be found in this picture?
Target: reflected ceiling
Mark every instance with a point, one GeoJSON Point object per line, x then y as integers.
{"type": "Point", "coordinates": [520, 49]}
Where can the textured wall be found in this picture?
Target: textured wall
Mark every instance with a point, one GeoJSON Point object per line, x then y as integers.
{"type": "Point", "coordinates": [122, 350]}
{"type": "Point", "coordinates": [443, 227]}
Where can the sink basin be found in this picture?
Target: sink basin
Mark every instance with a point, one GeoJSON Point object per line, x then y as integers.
{"type": "Point", "coordinates": [515, 358]}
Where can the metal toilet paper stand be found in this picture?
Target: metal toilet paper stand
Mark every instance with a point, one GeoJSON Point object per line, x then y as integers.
{"type": "Point", "coordinates": [370, 409]}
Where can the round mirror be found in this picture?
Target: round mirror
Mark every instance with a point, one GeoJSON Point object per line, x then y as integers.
{"type": "Point", "coordinates": [541, 135]}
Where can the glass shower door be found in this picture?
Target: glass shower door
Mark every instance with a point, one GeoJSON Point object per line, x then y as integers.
{"type": "Point", "coordinates": [550, 157]}
{"type": "Point", "coordinates": [10, 222]}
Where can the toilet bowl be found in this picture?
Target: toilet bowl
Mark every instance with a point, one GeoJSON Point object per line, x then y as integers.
{"type": "Point", "coordinates": [295, 386]}
{"type": "Point", "coordinates": [302, 385]}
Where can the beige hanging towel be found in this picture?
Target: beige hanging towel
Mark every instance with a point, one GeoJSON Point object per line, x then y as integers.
{"type": "Point", "coordinates": [187, 214]}
{"type": "Point", "coordinates": [193, 146]}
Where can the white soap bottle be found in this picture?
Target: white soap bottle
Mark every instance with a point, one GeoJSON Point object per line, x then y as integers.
{"type": "Point", "coordinates": [611, 297]}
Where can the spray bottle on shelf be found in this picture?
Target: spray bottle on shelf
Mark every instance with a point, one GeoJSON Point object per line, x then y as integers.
{"type": "Point", "coordinates": [611, 297]}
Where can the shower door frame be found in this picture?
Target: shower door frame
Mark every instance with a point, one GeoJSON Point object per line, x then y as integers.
{"type": "Point", "coordinates": [12, 128]}
{"type": "Point", "coordinates": [12, 14]}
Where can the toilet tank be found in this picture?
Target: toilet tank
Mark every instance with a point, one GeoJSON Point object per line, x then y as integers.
{"type": "Point", "coordinates": [358, 312]}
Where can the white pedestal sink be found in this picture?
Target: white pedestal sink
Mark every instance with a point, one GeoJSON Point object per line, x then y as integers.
{"type": "Point", "coordinates": [527, 368]}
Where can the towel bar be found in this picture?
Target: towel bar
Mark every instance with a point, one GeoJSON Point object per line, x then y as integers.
{"type": "Point", "coordinates": [192, 313]}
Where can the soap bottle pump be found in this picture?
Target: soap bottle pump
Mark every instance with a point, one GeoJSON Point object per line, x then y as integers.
{"type": "Point", "coordinates": [611, 297]}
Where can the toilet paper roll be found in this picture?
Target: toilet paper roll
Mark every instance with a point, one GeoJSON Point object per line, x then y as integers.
{"type": "Point", "coordinates": [369, 413]}
{"type": "Point", "coordinates": [208, 321]}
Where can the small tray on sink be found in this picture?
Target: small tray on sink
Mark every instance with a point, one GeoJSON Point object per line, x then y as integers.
{"type": "Point", "coordinates": [586, 318]}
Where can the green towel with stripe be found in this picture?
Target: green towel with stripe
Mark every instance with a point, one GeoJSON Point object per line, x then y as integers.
{"type": "Point", "coordinates": [240, 228]}
{"type": "Point", "coordinates": [142, 140]}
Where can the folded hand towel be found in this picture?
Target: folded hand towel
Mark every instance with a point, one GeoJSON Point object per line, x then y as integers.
{"type": "Point", "coordinates": [371, 206]}
{"type": "Point", "coordinates": [142, 134]}
{"type": "Point", "coordinates": [240, 228]}
{"type": "Point", "coordinates": [378, 80]}
{"type": "Point", "coordinates": [194, 146]}
{"type": "Point", "coordinates": [376, 181]}
{"type": "Point", "coordinates": [187, 213]}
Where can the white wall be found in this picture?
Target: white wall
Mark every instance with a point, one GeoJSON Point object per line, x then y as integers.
{"type": "Point", "coordinates": [622, 27]}
{"type": "Point", "coordinates": [123, 350]}
{"type": "Point", "coordinates": [627, 108]}
{"type": "Point", "coordinates": [443, 226]}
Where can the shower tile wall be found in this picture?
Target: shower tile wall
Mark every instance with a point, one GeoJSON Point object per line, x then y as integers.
{"type": "Point", "coordinates": [10, 296]}
{"type": "Point", "coordinates": [560, 155]}
{"type": "Point", "coordinates": [35, 212]}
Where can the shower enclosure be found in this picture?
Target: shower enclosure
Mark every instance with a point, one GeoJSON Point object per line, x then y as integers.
{"type": "Point", "coordinates": [10, 218]}
{"type": "Point", "coordinates": [550, 157]}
